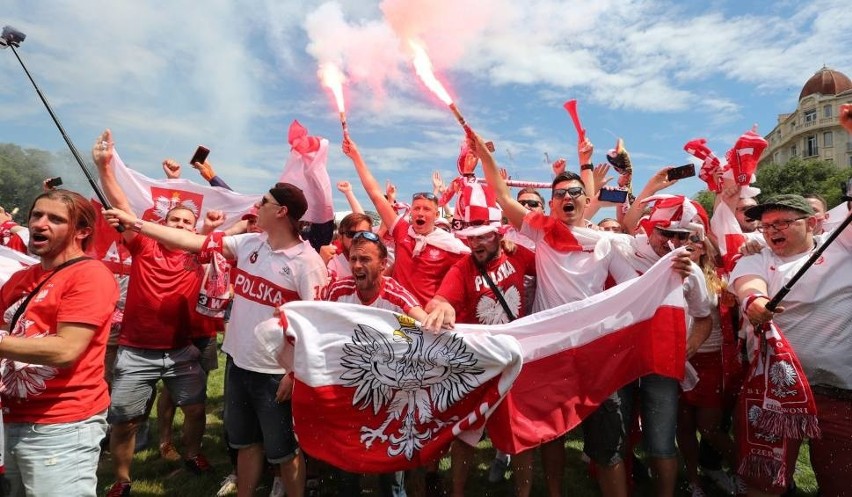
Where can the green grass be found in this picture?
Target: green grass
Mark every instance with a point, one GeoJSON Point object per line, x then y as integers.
{"type": "Point", "coordinates": [153, 477]}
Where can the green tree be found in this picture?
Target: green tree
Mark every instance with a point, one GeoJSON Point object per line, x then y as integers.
{"type": "Point", "coordinates": [706, 199]}
{"type": "Point", "coordinates": [803, 176]}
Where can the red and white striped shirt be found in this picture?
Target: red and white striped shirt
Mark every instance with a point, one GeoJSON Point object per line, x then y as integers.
{"type": "Point", "coordinates": [392, 296]}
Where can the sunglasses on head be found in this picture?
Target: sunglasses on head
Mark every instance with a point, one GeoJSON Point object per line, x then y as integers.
{"type": "Point", "coordinates": [573, 192]}
{"type": "Point", "coordinates": [367, 235]}
{"type": "Point", "coordinates": [532, 204]}
{"type": "Point", "coordinates": [426, 195]}
{"type": "Point", "coordinates": [673, 234]}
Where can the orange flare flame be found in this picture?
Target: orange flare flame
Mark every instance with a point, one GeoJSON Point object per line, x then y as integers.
{"type": "Point", "coordinates": [423, 68]}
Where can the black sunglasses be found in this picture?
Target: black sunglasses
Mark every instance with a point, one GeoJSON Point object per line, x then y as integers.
{"type": "Point", "coordinates": [367, 235]}
{"type": "Point", "coordinates": [573, 192]}
{"type": "Point", "coordinates": [264, 201]}
{"type": "Point", "coordinates": [533, 204]}
{"type": "Point", "coordinates": [673, 234]}
{"type": "Point", "coordinates": [426, 195]}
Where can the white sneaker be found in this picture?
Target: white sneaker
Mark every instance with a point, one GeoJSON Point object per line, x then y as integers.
{"type": "Point", "coordinates": [721, 479]}
{"type": "Point", "coordinates": [277, 488]}
{"type": "Point", "coordinates": [229, 486]}
{"type": "Point", "coordinates": [695, 491]}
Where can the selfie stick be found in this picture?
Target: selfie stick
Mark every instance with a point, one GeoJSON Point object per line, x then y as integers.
{"type": "Point", "coordinates": [772, 304]}
{"type": "Point", "coordinates": [13, 38]}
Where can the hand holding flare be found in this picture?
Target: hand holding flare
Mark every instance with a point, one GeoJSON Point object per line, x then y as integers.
{"type": "Point", "coordinates": [332, 78]}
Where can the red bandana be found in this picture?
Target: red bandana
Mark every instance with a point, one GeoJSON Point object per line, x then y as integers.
{"type": "Point", "coordinates": [556, 233]}
{"type": "Point", "coordinates": [776, 404]}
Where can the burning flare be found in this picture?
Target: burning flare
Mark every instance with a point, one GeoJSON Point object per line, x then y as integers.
{"type": "Point", "coordinates": [423, 68]}
{"type": "Point", "coordinates": [332, 78]}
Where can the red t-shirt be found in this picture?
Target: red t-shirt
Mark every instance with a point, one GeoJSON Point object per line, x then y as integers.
{"type": "Point", "coordinates": [84, 292]}
{"type": "Point", "coordinates": [471, 296]}
{"type": "Point", "coordinates": [161, 296]}
{"type": "Point", "coordinates": [12, 240]}
{"type": "Point", "coordinates": [423, 274]}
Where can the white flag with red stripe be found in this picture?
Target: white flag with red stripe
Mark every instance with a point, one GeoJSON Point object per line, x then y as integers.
{"type": "Point", "coordinates": [151, 199]}
{"type": "Point", "coordinates": [375, 393]}
{"type": "Point", "coordinates": [578, 354]}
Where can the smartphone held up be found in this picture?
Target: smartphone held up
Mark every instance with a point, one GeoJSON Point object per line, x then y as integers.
{"type": "Point", "coordinates": [200, 155]}
{"type": "Point", "coordinates": [680, 172]}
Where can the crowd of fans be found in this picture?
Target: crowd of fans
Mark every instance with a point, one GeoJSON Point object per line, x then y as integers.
{"type": "Point", "coordinates": [85, 348]}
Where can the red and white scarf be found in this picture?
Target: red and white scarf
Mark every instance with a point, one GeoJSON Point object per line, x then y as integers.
{"type": "Point", "coordinates": [776, 405]}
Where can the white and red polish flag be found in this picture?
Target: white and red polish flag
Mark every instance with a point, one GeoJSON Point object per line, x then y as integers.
{"type": "Point", "coordinates": [375, 393]}
{"type": "Point", "coordinates": [361, 402]}
{"type": "Point", "coordinates": [151, 198]}
{"type": "Point", "coordinates": [306, 168]}
{"type": "Point", "coordinates": [578, 354]}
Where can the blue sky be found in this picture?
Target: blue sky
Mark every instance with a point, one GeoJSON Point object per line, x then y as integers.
{"type": "Point", "coordinates": [167, 76]}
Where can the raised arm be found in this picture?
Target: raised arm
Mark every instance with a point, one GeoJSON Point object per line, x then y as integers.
{"type": "Point", "coordinates": [513, 210]}
{"type": "Point", "coordinates": [371, 186]}
{"type": "Point", "coordinates": [172, 237]}
{"type": "Point", "coordinates": [657, 182]}
{"type": "Point", "coordinates": [102, 153]}
{"type": "Point", "coordinates": [346, 189]}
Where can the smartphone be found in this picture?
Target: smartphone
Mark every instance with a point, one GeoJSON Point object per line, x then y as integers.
{"type": "Point", "coordinates": [53, 182]}
{"type": "Point", "coordinates": [201, 154]}
{"type": "Point", "coordinates": [616, 195]}
{"type": "Point", "coordinates": [684, 171]}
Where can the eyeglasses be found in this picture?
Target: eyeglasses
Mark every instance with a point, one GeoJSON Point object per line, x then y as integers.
{"type": "Point", "coordinates": [367, 235]}
{"type": "Point", "coordinates": [779, 225]}
{"type": "Point", "coordinates": [573, 192]}
{"type": "Point", "coordinates": [673, 234]}
{"type": "Point", "coordinates": [264, 201]}
{"type": "Point", "coordinates": [426, 195]}
{"type": "Point", "coordinates": [532, 204]}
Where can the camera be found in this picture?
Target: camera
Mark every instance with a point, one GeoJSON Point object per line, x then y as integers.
{"type": "Point", "coordinates": [11, 36]}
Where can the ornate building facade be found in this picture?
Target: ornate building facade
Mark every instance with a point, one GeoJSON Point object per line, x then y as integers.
{"type": "Point", "coordinates": [812, 131]}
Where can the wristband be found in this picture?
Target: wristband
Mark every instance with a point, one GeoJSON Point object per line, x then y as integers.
{"type": "Point", "coordinates": [137, 226]}
{"type": "Point", "coordinates": [587, 167]}
{"type": "Point", "coordinates": [750, 299]}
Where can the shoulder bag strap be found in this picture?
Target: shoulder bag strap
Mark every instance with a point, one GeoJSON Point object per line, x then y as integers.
{"type": "Point", "coordinates": [35, 290]}
{"type": "Point", "coordinates": [497, 292]}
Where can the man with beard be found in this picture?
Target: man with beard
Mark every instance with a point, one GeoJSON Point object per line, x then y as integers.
{"type": "Point", "coordinates": [368, 259]}
{"type": "Point", "coordinates": [467, 295]}
{"type": "Point", "coordinates": [52, 358]}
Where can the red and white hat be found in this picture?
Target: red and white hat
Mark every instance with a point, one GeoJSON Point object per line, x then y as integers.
{"type": "Point", "coordinates": [479, 211]}
{"type": "Point", "coordinates": [675, 213]}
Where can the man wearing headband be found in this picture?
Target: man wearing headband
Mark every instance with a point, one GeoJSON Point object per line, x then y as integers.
{"type": "Point", "coordinates": [272, 268]}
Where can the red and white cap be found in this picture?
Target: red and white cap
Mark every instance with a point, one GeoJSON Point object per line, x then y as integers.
{"type": "Point", "coordinates": [675, 213]}
{"type": "Point", "coordinates": [480, 213]}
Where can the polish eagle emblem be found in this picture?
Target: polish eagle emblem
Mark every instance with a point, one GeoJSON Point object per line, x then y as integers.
{"type": "Point", "coordinates": [412, 386]}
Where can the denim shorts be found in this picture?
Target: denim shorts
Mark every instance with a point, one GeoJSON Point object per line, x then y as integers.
{"type": "Point", "coordinates": [659, 404]}
{"type": "Point", "coordinates": [137, 372]}
{"type": "Point", "coordinates": [607, 429]}
{"type": "Point", "coordinates": [58, 459]}
{"type": "Point", "coordinates": [253, 416]}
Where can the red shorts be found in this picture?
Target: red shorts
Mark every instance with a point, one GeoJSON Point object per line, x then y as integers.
{"type": "Point", "coordinates": [831, 454]}
{"type": "Point", "coordinates": [708, 391]}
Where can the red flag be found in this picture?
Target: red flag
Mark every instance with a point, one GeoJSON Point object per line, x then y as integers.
{"type": "Point", "coordinates": [572, 365]}
{"type": "Point", "coordinates": [729, 235]}
{"type": "Point", "coordinates": [375, 393]}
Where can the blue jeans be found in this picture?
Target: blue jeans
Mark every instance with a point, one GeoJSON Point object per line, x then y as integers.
{"type": "Point", "coordinates": [659, 400]}
{"type": "Point", "coordinates": [58, 459]}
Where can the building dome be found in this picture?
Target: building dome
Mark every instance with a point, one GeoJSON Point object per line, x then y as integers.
{"type": "Point", "coordinates": [826, 82]}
